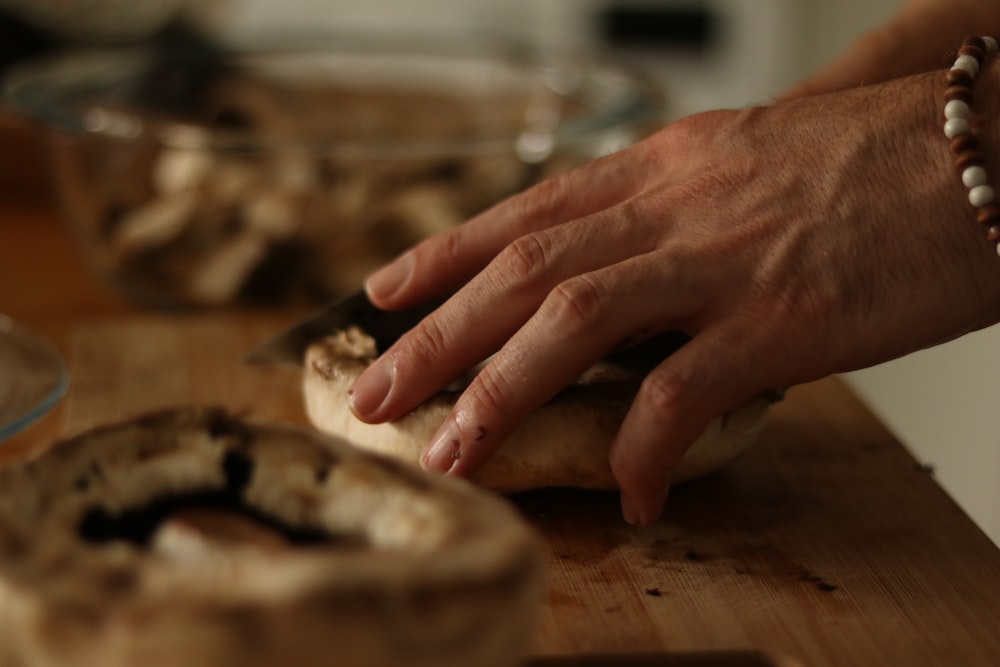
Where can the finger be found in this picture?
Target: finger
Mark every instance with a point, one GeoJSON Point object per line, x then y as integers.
{"type": "Point", "coordinates": [442, 263]}
{"type": "Point", "coordinates": [710, 375]}
{"type": "Point", "coordinates": [579, 322]}
{"type": "Point", "coordinates": [455, 338]}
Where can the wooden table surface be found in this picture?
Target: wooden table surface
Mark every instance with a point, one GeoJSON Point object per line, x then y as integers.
{"type": "Point", "coordinates": [828, 544]}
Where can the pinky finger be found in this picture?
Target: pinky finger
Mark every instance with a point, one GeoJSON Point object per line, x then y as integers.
{"type": "Point", "coordinates": [675, 403]}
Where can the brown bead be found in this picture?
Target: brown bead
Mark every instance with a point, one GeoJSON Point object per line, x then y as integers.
{"type": "Point", "coordinates": [989, 215]}
{"type": "Point", "coordinates": [993, 234]}
{"type": "Point", "coordinates": [963, 143]}
{"type": "Point", "coordinates": [963, 93]}
{"type": "Point", "coordinates": [959, 77]}
{"type": "Point", "coordinates": [975, 41]}
{"type": "Point", "coordinates": [968, 159]}
{"type": "Point", "coordinates": [973, 51]}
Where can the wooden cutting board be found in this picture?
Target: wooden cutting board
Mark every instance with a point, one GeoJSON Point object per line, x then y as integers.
{"type": "Point", "coordinates": [827, 544]}
{"type": "Point", "coordinates": [126, 367]}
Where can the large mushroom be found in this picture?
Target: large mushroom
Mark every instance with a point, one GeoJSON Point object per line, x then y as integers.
{"type": "Point", "coordinates": [191, 537]}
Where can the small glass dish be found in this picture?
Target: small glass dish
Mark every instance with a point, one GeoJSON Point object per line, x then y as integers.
{"type": "Point", "coordinates": [33, 380]}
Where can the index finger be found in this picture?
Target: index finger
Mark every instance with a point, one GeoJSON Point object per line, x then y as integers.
{"type": "Point", "coordinates": [444, 262]}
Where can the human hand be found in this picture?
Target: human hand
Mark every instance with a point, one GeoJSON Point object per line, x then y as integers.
{"type": "Point", "coordinates": [792, 241]}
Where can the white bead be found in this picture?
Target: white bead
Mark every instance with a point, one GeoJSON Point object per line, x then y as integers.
{"type": "Point", "coordinates": [981, 195]}
{"type": "Point", "coordinates": [956, 109]}
{"type": "Point", "coordinates": [998, 248]}
{"type": "Point", "coordinates": [967, 63]}
{"type": "Point", "coordinates": [955, 127]}
{"type": "Point", "coordinates": [973, 176]}
{"type": "Point", "coordinates": [991, 45]}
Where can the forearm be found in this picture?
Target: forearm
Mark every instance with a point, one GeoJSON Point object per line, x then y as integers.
{"type": "Point", "coordinates": [919, 37]}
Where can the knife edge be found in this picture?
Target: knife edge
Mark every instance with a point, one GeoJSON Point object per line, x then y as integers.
{"type": "Point", "coordinates": [288, 348]}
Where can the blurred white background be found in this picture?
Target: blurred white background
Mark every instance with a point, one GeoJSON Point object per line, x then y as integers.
{"type": "Point", "coordinates": [942, 403]}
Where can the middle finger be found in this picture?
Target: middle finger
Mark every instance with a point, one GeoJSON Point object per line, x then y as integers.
{"type": "Point", "coordinates": [581, 320]}
{"type": "Point", "coordinates": [455, 338]}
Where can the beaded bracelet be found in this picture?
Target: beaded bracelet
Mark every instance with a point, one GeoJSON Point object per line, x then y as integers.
{"type": "Point", "coordinates": [969, 157]}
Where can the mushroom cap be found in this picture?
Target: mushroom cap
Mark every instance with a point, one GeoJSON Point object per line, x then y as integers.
{"type": "Point", "coordinates": [381, 564]}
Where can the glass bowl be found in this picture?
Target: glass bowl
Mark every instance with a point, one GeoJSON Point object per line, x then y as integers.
{"type": "Point", "coordinates": [279, 175]}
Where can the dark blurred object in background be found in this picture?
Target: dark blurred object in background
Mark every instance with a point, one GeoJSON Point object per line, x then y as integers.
{"type": "Point", "coordinates": [20, 40]}
{"type": "Point", "coordinates": [32, 29]}
{"type": "Point", "coordinates": [23, 168]}
{"type": "Point", "coordinates": [23, 173]}
{"type": "Point", "coordinates": [691, 27]}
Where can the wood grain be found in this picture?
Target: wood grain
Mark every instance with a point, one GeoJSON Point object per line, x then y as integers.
{"type": "Point", "coordinates": [825, 545]}
{"type": "Point", "coordinates": [122, 369]}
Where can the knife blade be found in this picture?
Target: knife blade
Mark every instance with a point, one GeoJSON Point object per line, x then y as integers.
{"type": "Point", "coordinates": [288, 348]}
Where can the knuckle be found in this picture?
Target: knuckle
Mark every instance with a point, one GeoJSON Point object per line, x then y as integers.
{"type": "Point", "coordinates": [691, 130]}
{"type": "Point", "coordinates": [489, 393]}
{"type": "Point", "coordinates": [546, 201]}
{"type": "Point", "coordinates": [440, 248]}
{"type": "Point", "coordinates": [634, 212]}
{"type": "Point", "coordinates": [447, 249]}
{"type": "Point", "coordinates": [663, 392]}
{"type": "Point", "coordinates": [425, 343]}
{"type": "Point", "coordinates": [525, 260]}
{"type": "Point", "coordinates": [549, 196]}
{"type": "Point", "coordinates": [575, 304]}
{"type": "Point", "coordinates": [454, 245]}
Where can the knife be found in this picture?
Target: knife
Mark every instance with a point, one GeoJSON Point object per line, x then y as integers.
{"type": "Point", "coordinates": [288, 348]}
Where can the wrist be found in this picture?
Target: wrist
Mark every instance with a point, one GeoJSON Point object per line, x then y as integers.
{"type": "Point", "coordinates": [985, 117]}
{"type": "Point", "coordinates": [970, 159]}
{"type": "Point", "coordinates": [977, 149]}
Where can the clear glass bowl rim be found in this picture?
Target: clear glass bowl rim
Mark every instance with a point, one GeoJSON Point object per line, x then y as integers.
{"type": "Point", "coordinates": [45, 91]}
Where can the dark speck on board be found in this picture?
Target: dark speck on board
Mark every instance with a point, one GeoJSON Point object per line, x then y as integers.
{"type": "Point", "coordinates": [820, 583]}
{"type": "Point", "coordinates": [322, 474]}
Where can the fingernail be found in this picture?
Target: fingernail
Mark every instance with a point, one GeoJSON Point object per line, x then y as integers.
{"type": "Point", "coordinates": [389, 279]}
{"type": "Point", "coordinates": [445, 449]}
{"type": "Point", "coordinates": [632, 510]}
{"type": "Point", "coordinates": [371, 389]}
